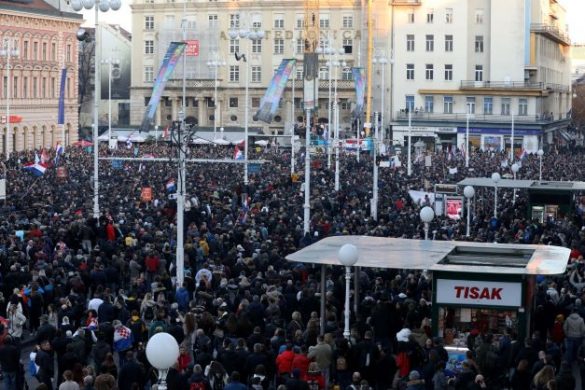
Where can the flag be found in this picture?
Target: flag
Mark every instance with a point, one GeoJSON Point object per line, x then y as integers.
{"type": "Point", "coordinates": [238, 155]}
{"type": "Point", "coordinates": [59, 150]}
{"type": "Point", "coordinates": [37, 159]}
{"type": "Point", "coordinates": [452, 171]}
{"type": "Point", "coordinates": [44, 156]}
{"type": "Point", "coordinates": [37, 169]}
{"type": "Point", "coordinates": [171, 186]}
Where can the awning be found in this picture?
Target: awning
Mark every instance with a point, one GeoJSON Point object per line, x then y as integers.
{"type": "Point", "coordinates": [565, 135]}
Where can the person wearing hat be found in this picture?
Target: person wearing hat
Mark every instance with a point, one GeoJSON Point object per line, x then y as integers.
{"type": "Point", "coordinates": [414, 381]}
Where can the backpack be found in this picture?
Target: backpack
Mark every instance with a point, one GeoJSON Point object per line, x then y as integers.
{"type": "Point", "coordinates": [198, 386]}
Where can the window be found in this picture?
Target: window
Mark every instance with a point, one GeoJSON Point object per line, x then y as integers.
{"type": "Point", "coordinates": [25, 50]}
{"type": "Point", "coordinates": [410, 103]}
{"type": "Point", "coordinates": [278, 45]}
{"type": "Point", "coordinates": [300, 22]}
{"type": "Point", "coordinates": [429, 104]}
{"type": "Point", "coordinates": [345, 104]}
{"type": "Point", "coordinates": [410, 42]}
{"type": "Point", "coordinates": [488, 106]}
{"type": "Point", "coordinates": [429, 71]}
{"type": "Point", "coordinates": [25, 87]}
{"type": "Point", "coordinates": [478, 72]}
{"type": "Point", "coordinates": [233, 102]}
{"type": "Point", "coordinates": [234, 46]}
{"type": "Point", "coordinates": [324, 21]}
{"type": "Point", "coordinates": [470, 105]}
{"type": "Point", "coordinates": [255, 102]}
{"type": "Point", "coordinates": [299, 73]}
{"type": "Point", "coordinates": [234, 20]}
{"type": "Point", "coordinates": [68, 53]}
{"type": "Point", "coordinates": [149, 22]}
{"type": "Point", "coordinates": [410, 71]}
{"type": "Point", "coordinates": [148, 74]}
{"type": "Point", "coordinates": [44, 87]}
{"type": "Point", "coordinates": [430, 15]}
{"type": "Point", "coordinates": [448, 104]}
{"type": "Point", "coordinates": [347, 45]}
{"type": "Point", "coordinates": [234, 73]}
{"type": "Point", "coordinates": [449, 15]}
{"type": "Point", "coordinates": [448, 72]}
{"type": "Point", "coordinates": [44, 52]}
{"type": "Point", "coordinates": [278, 22]}
{"type": "Point", "coordinates": [479, 43]}
{"type": "Point", "coordinates": [448, 43]}
{"type": "Point", "coordinates": [35, 50]}
{"type": "Point", "coordinates": [430, 42]}
{"type": "Point", "coordinates": [5, 87]}
{"type": "Point", "coordinates": [15, 87]}
{"type": "Point", "coordinates": [346, 74]}
{"type": "Point", "coordinates": [35, 87]}
{"type": "Point", "coordinates": [148, 47]}
{"type": "Point", "coordinates": [324, 73]}
{"type": "Point", "coordinates": [256, 46]}
{"type": "Point", "coordinates": [411, 17]}
{"type": "Point", "coordinates": [53, 87]}
{"type": "Point", "coordinates": [213, 21]}
{"type": "Point", "coordinates": [347, 22]}
{"type": "Point", "coordinates": [53, 51]}
{"type": "Point", "coordinates": [522, 107]}
{"type": "Point", "coordinates": [505, 106]}
{"type": "Point", "coordinates": [300, 46]}
{"type": "Point", "coordinates": [256, 74]}
{"type": "Point", "coordinates": [479, 16]}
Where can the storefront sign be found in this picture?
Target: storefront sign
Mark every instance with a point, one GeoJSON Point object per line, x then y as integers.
{"type": "Point", "coordinates": [500, 131]}
{"type": "Point", "coordinates": [462, 292]}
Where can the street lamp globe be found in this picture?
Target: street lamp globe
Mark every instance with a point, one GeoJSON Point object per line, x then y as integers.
{"type": "Point", "coordinates": [162, 351]}
{"type": "Point", "coordinates": [260, 34]}
{"type": "Point", "coordinates": [115, 4]}
{"type": "Point", "coordinates": [104, 5]}
{"type": "Point", "coordinates": [496, 177]}
{"type": "Point", "coordinates": [515, 168]}
{"type": "Point", "coordinates": [233, 33]}
{"type": "Point", "coordinates": [427, 214]}
{"type": "Point", "coordinates": [76, 5]}
{"type": "Point", "coordinates": [348, 255]}
{"type": "Point", "coordinates": [469, 192]}
{"type": "Point", "coordinates": [88, 4]}
{"type": "Point", "coordinates": [540, 153]}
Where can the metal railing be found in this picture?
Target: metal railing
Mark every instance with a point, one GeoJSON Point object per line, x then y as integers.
{"type": "Point", "coordinates": [472, 84]}
{"type": "Point", "coordinates": [461, 117]}
{"type": "Point", "coordinates": [552, 32]}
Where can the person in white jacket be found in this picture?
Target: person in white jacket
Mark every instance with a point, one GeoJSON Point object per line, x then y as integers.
{"type": "Point", "coordinates": [16, 321]}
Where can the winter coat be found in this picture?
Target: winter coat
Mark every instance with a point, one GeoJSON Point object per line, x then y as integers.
{"type": "Point", "coordinates": [574, 326]}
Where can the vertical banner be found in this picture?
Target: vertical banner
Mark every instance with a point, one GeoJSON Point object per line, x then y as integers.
{"type": "Point", "coordinates": [168, 65]}
{"type": "Point", "coordinates": [359, 80]}
{"type": "Point", "coordinates": [61, 112]}
{"type": "Point", "coordinates": [273, 94]}
{"type": "Point", "coordinates": [311, 73]}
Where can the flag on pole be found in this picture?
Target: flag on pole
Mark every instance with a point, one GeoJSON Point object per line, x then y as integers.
{"type": "Point", "coordinates": [59, 150]}
{"type": "Point", "coordinates": [37, 169]}
{"type": "Point", "coordinates": [44, 156]}
{"type": "Point", "coordinates": [171, 186]}
{"type": "Point", "coordinates": [238, 155]}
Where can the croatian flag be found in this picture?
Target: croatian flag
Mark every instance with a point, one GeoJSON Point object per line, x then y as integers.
{"type": "Point", "coordinates": [37, 169]}
{"type": "Point", "coordinates": [44, 156]}
{"type": "Point", "coordinates": [171, 186]}
{"type": "Point", "coordinates": [238, 155]}
{"type": "Point", "coordinates": [59, 150]}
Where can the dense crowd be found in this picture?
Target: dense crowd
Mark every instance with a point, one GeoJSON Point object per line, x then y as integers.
{"type": "Point", "coordinates": [88, 293]}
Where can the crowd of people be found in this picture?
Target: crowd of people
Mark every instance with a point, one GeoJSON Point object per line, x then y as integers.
{"type": "Point", "coordinates": [85, 294]}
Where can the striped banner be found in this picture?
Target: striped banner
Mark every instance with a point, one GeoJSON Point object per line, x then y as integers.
{"type": "Point", "coordinates": [273, 94]}
{"type": "Point", "coordinates": [359, 80]}
{"type": "Point", "coordinates": [61, 112]}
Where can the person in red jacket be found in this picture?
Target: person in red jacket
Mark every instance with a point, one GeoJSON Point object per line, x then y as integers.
{"type": "Point", "coordinates": [315, 377]}
{"type": "Point", "coordinates": [110, 231]}
{"type": "Point", "coordinates": [301, 361]}
{"type": "Point", "coordinates": [152, 263]}
{"type": "Point", "coordinates": [284, 361]}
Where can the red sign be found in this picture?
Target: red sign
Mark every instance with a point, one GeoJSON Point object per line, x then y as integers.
{"type": "Point", "coordinates": [13, 119]}
{"type": "Point", "coordinates": [475, 292]}
{"type": "Point", "coordinates": [192, 49]}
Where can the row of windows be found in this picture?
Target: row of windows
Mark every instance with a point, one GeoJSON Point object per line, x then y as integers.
{"type": "Point", "coordinates": [488, 105]}
{"type": "Point", "coordinates": [448, 72]}
{"type": "Point", "coordinates": [34, 87]}
{"type": "Point", "coordinates": [430, 43]}
{"type": "Point", "coordinates": [448, 16]}
{"type": "Point", "coordinates": [36, 50]}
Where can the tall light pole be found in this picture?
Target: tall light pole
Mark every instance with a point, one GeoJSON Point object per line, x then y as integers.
{"type": "Point", "coordinates": [382, 61]}
{"type": "Point", "coordinates": [292, 112]}
{"type": "Point", "coordinates": [307, 203]}
{"type": "Point", "coordinates": [348, 255]}
{"type": "Point", "coordinates": [215, 65]}
{"type": "Point", "coordinates": [110, 62]}
{"type": "Point", "coordinates": [515, 167]}
{"type": "Point", "coordinates": [496, 178]}
{"type": "Point", "coordinates": [251, 35]}
{"type": "Point", "coordinates": [8, 51]}
{"type": "Point", "coordinates": [328, 51]}
{"type": "Point", "coordinates": [467, 117]}
{"type": "Point", "coordinates": [427, 214]}
{"type": "Point", "coordinates": [468, 192]}
{"type": "Point", "coordinates": [409, 166]}
{"type": "Point", "coordinates": [512, 139]}
{"type": "Point", "coordinates": [540, 153]}
{"type": "Point", "coordinates": [104, 6]}
{"type": "Point", "coordinates": [374, 204]}
{"type": "Point", "coordinates": [336, 65]}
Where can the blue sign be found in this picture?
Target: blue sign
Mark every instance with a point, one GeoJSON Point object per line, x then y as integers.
{"type": "Point", "coordinates": [499, 131]}
{"type": "Point", "coordinates": [254, 168]}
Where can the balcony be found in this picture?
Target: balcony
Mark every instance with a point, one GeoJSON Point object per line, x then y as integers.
{"type": "Point", "coordinates": [505, 85]}
{"type": "Point", "coordinates": [405, 2]}
{"type": "Point", "coordinates": [551, 32]}
{"type": "Point", "coordinates": [461, 117]}
{"type": "Point", "coordinates": [324, 84]}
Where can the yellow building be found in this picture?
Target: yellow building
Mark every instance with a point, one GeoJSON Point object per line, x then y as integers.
{"type": "Point", "coordinates": [37, 41]}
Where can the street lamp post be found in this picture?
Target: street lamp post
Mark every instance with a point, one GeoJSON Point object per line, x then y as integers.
{"type": "Point", "coordinates": [427, 214]}
{"type": "Point", "coordinates": [540, 153]}
{"type": "Point", "coordinates": [374, 205]}
{"type": "Point", "coordinates": [381, 61]}
{"type": "Point", "coordinates": [162, 352]}
{"type": "Point", "coordinates": [348, 255]}
{"type": "Point", "coordinates": [110, 62]}
{"type": "Point", "coordinates": [467, 117]}
{"type": "Point", "coordinates": [336, 65]}
{"type": "Point", "coordinates": [496, 178]}
{"type": "Point", "coordinates": [104, 6]}
{"type": "Point", "coordinates": [251, 35]}
{"type": "Point", "coordinates": [468, 192]}
{"type": "Point", "coordinates": [8, 51]}
{"type": "Point", "coordinates": [215, 65]}
{"type": "Point", "coordinates": [515, 168]}
{"type": "Point", "coordinates": [409, 163]}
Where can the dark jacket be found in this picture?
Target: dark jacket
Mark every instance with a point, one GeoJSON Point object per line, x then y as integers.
{"type": "Point", "coordinates": [9, 358]}
{"type": "Point", "coordinates": [131, 372]}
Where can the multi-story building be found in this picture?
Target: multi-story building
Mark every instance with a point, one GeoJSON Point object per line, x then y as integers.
{"type": "Point", "coordinates": [38, 41]}
{"type": "Point", "coordinates": [493, 59]}
{"type": "Point", "coordinates": [158, 22]}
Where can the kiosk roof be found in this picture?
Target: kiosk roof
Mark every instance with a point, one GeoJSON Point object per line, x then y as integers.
{"type": "Point", "coordinates": [449, 256]}
{"type": "Point", "coordinates": [524, 184]}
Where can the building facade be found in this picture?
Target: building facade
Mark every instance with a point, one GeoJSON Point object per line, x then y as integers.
{"type": "Point", "coordinates": [40, 40]}
{"type": "Point", "coordinates": [498, 61]}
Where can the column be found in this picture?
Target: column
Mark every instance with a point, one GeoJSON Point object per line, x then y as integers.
{"type": "Point", "coordinates": [201, 112]}
{"type": "Point", "coordinates": [158, 116]}
{"type": "Point", "coordinates": [175, 104]}
{"type": "Point", "coordinates": [219, 112]}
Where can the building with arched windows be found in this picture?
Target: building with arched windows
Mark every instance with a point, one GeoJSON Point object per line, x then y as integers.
{"type": "Point", "coordinates": [38, 40]}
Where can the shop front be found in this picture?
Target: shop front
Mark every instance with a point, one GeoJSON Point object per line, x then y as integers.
{"type": "Point", "coordinates": [498, 139]}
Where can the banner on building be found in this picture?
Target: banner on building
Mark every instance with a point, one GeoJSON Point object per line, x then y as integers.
{"type": "Point", "coordinates": [311, 80]}
{"type": "Point", "coordinates": [192, 49]}
{"type": "Point", "coordinates": [359, 81]}
{"type": "Point", "coordinates": [169, 62]}
{"type": "Point", "coordinates": [61, 112]}
{"type": "Point", "coordinates": [269, 103]}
